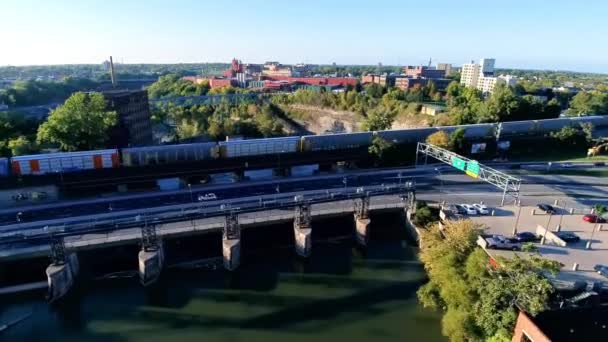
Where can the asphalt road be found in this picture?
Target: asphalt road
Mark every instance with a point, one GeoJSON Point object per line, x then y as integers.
{"type": "Point", "coordinates": [425, 178]}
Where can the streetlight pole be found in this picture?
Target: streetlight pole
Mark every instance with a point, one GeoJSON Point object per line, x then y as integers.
{"type": "Point", "coordinates": [190, 189]}
{"type": "Point", "coordinates": [516, 219]}
{"type": "Point", "coordinates": [542, 241]}
{"type": "Point", "coordinates": [588, 245]}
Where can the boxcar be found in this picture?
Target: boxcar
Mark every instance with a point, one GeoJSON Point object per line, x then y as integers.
{"type": "Point", "coordinates": [255, 147]}
{"type": "Point", "coordinates": [40, 164]}
{"type": "Point", "coordinates": [515, 128]}
{"type": "Point", "coordinates": [167, 154]}
{"type": "Point", "coordinates": [336, 141]}
{"type": "Point", "coordinates": [475, 131]}
{"type": "Point", "coordinates": [405, 136]}
{"type": "Point", "coordinates": [3, 167]}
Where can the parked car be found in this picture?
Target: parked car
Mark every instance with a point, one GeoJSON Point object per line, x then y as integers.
{"type": "Point", "coordinates": [601, 269]}
{"type": "Point", "coordinates": [481, 208]}
{"type": "Point", "coordinates": [526, 237]}
{"type": "Point", "coordinates": [503, 242]}
{"type": "Point", "coordinates": [593, 218]}
{"type": "Point", "coordinates": [207, 197]}
{"type": "Point", "coordinates": [546, 208]}
{"type": "Point", "coordinates": [568, 237]}
{"type": "Point", "coordinates": [469, 209]}
{"type": "Point", "coordinates": [460, 209]}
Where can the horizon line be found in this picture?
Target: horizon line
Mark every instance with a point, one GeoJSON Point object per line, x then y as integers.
{"type": "Point", "coordinates": [319, 64]}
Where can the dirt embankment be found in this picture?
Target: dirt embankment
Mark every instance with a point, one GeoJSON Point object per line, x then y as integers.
{"type": "Point", "coordinates": [319, 120]}
{"type": "Point", "coordinates": [410, 121]}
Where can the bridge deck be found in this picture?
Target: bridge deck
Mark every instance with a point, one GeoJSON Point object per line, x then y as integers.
{"type": "Point", "coordinates": [199, 226]}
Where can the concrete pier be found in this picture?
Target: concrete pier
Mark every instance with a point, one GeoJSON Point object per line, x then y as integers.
{"type": "Point", "coordinates": [231, 250]}
{"type": "Point", "coordinates": [361, 230]}
{"type": "Point", "coordinates": [61, 277]}
{"type": "Point", "coordinates": [303, 238]}
{"type": "Point", "coordinates": [151, 263]}
{"type": "Point", "coordinates": [302, 229]}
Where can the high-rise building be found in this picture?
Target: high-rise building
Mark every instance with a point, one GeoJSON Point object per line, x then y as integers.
{"type": "Point", "coordinates": [481, 76]}
{"type": "Point", "coordinates": [446, 67]}
{"type": "Point", "coordinates": [487, 66]}
{"type": "Point", "coordinates": [469, 74]}
{"type": "Point", "coordinates": [134, 126]}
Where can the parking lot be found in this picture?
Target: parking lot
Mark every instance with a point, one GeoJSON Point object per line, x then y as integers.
{"type": "Point", "coordinates": [504, 222]}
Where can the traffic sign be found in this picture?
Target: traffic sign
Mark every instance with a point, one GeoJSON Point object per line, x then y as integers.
{"type": "Point", "coordinates": [472, 169]}
{"type": "Point", "coordinates": [458, 163]}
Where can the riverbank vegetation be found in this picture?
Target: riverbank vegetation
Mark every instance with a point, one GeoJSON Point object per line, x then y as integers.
{"type": "Point", "coordinates": [480, 300]}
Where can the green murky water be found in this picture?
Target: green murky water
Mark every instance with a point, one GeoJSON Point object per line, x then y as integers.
{"type": "Point", "coordinates": [343, 293]}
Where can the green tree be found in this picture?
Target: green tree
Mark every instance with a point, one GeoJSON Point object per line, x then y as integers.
{"type": "Point", "coordinates": [517, 282]}
{"type": "Point", "coordinates": [567, 135]}
{"type": "Point", "coordinates": [587, 129]}
{"type": "Point", "coordinates": [81, 123]}
{"type": "Point", "coordinates": [374, 90]}
{"type": "Point", "coordinates": [479, 301]}
{"type": "Point", "coordinates": [457, 140]}
{"type": "Point", "coordinates": [589, 103]}
{"type": "Point", "coordinates": [21, 146]}
{"type": "Point", "coordinates": [379, 147]}
{"type": "Point", "coordinates": [502, 105]}
{"type": "Point", "coordinates": [379, 120]}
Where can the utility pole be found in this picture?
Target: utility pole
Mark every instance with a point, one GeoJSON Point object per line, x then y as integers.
{"type": "Point", "coordinates": [542, 241]}
{"type": "Point", "coordinates": [516, 219]}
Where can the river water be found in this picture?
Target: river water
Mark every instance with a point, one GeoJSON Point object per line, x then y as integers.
{"type": "Point", "coordinates": [342, 293]}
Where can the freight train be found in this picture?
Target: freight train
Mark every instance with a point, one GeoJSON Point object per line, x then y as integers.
{"type": "Point", "coordinates": [41, 164]}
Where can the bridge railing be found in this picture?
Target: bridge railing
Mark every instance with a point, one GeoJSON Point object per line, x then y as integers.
{"type": "Point", "coordinates": [195, 211]}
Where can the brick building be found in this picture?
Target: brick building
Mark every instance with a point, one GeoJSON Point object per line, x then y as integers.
{"type": "Point", "coordinates": [423, 71]}
{"type": "Point", "coordinates": [222, 82]}
{"type": "Point", "coordinates": [332, 81]}
{"type": "Point", "coordinates": [407, 83]}
{"type": "Point", "coordinates": [570, 324]}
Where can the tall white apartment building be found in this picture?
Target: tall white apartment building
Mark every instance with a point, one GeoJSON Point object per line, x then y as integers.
{"type": "Point", "coordinates": [470, 74]}
{"type": "Point", "coordinates": [481, 76]}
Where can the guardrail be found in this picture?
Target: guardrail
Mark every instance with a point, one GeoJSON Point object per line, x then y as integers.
{"type": "Point", "coordinates": [192, 212]}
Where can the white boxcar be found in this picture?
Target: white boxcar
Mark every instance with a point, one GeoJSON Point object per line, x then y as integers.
{"type": "Point", "coordinates": [40, 164]}
{"type": "Point", "coordinates": [167, 154]}
{"type": "Point", "coordinates": [255, 147]}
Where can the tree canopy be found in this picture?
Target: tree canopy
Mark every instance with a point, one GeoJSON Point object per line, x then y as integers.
{"type": "Point", "coordinates": [589, 103]}
{"type": "Point", "coordinates": [479, 301]}
{"type": "Point", "coordinates": [439, 139]}
{"type": "Point", "coordinates": [81, 123]}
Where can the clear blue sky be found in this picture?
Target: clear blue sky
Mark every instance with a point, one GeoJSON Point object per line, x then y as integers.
{"type": "Point", "coordinates": [551, 34]}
